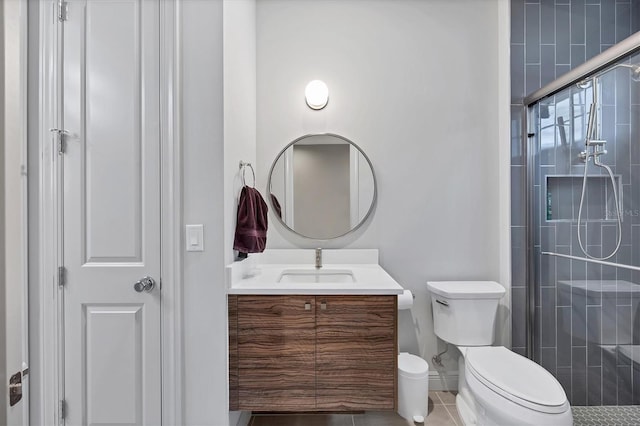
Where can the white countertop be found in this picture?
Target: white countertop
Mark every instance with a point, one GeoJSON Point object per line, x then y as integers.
{"type": "Point", "coordinates": [260, 274]}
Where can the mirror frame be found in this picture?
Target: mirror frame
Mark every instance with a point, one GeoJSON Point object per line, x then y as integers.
{"type": "Point", "coordinates": [373, 173]}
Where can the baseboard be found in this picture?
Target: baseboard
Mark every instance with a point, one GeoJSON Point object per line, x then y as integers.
{"type": "Point", "coordinates": [443, 381]}
{"type": "Point", "coordinates": [239, 418]}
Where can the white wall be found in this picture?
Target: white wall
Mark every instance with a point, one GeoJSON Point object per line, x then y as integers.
{"type": "Point", "coordinates": [239, 71]}
{"type": "Point", "coordinates": [239, 23]}
{"type": "Point", "coordinates": [204, 293]}
{"type": "Point", "coordinates": [3, 366]}
{"type": "Point", "coordinates": [416, 85]}
{"type": "Point", "coordinates": [14, 134]}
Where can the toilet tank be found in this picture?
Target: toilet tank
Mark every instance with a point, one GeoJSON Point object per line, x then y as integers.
{"type": "Point", "coordinates": [464, 312]}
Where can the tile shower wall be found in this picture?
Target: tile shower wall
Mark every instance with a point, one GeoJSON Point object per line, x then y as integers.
{"type": "Point", "coordinates": [548, 38]}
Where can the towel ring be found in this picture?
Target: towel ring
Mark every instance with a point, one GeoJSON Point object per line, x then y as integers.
{"type": "Point", "coordinates": [243, 167]}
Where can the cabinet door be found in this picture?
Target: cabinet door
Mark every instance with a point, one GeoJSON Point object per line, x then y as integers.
{"type": "Point", "coordinates": [356, 355]}
{"type": "Point", "coordinates": [276, 353]}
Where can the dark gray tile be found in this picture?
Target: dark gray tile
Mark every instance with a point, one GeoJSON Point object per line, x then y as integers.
{"type": "Point", "coordinates": [548, 326]}
{"type": "Point", "coordinates": [563, 38]}
{"type": "Point", "coordinates": [520, 350]}
{"type": "Point", "coordinates": [517, 73]}
{"type": "Point", "coordinates": [577, 22]}
{"type": "Point", "coordinates": [564, 337]}
{"type": "Point", "coordinates": [635, 16]}
{"type": "Point", "coordinates": [518, 195]}
{"type": "Point", "coordinates": [594, 355]}
{"type": "Point", "coordinates": [548, 238]}
{"type": "Point", "coordinates": [518, 152]}
{"type": "Point", "coordinates": [548, 271]}
{"type": "Point", "coordinates": [549, 359]}
{"type": "Point", "coordinates": [564, 377]}
{"type": "Point", "coordinates": [578, 386]}
{"type": "Point", "coordinates": [623, 21]}
{"type": "Point", "coordinates": [624, 321]}
{"type": "Point", "coordinates": [519, 256]}
{"type": "Point", "coordinates": [578, 55]}
{"type": "Point", "coordinates": [579, 316]}
{"type": "Point", "coordinates": [532, 33]}
{"type": "Point", "coordinates": [547, 64]}
{"type": "Point", "coordinates": [625, 383]}
{"type": "Point", "coordinates": [609, 382]}
{"type": "Point", "coordinates": [563, 234]}
{"type": "Point", "coordinates": [623, 96]}
{"type": "Point", "coordinates": [636, 385]}
{"type": "Point", "coordinates": [608, 22]}
{"type": "Point", "coordinates": [594, 325]}
{"type": "Point", "coordinates": [579, 358]}
{"type": "Point", "coordinates": [563, 272]}
{"type": "Point", "coordinates": [562, 69]}
{"type": "Point", "coordinates": [532, 78]}
{"type": "Point", "coordinates": [547, 21]}
{"type": "Point", "coordinates": [594, 386]}
{"type": "Point", "coordinates": [518, 310]}
{"type": "Point", "coordinates": [517, 21]}
{"type": "Point", "coordinates": [593, 30]}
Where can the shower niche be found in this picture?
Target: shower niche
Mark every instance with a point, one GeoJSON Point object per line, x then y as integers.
{"type": "Point", "coordinates": [599, 198]}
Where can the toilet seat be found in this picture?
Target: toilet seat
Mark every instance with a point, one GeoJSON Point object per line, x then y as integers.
{"type": "Point", "coordinates": [516, 378]}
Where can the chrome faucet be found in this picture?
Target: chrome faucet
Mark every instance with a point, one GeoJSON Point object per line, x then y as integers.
{"type": "Point", "coordinates": [318, 258]}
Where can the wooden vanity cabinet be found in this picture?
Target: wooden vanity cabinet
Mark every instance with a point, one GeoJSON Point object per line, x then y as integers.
{"type": "Point", "coordinates": [312, 353]}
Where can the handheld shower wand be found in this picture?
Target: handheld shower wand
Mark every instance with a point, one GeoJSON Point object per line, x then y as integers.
{"type": "Point", "coordinates": [594, 148]}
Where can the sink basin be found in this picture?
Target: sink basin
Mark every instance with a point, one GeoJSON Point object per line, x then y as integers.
{"type": "Point", "coordinates": [316, 276]}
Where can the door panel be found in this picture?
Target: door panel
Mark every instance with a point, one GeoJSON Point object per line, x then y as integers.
{"type": "Point", "coordinates": [112, 358]}
{"type": "Point", "coordinates": [356, 352]}
{"type": "Point", "coordinates": [276, 352]}
{"type": "Point", "coordinates": [112, 128]}
{"type": "Point", "coordinates": [111, 211]}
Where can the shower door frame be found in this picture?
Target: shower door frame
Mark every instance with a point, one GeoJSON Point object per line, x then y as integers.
{"type": "Point", "coordinates": [625, 48]}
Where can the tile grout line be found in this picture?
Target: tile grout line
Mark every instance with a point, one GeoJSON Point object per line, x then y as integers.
{"type": "Point", "coordinates": [450, 416]}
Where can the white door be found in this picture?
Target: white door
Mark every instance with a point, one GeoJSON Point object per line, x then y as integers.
{"type": "Point", "coordinates": [111, 211]}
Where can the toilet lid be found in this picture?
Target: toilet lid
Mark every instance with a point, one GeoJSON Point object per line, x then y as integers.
{"type": "Point", "coordinates": [516, 378]}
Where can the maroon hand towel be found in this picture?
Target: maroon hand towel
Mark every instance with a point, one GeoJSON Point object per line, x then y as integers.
{"type": "Point", "coordinates": [251, 226]}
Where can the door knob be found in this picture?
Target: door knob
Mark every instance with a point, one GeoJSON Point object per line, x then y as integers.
{"type": "Point", "coordinates": [145, 284]}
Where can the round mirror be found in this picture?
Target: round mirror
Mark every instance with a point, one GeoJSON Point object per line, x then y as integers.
{"type": "Point", "coordinates": [321, 186]}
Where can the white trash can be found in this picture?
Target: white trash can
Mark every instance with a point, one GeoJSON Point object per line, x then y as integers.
{"type": "Point", "coordinates": [413, 387]}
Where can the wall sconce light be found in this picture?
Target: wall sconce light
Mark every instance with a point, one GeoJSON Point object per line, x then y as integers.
{"type": "Point", "coordinates": [316, 94]}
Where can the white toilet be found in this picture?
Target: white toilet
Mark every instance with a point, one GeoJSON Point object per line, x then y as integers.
{"type": "Point", "coordinates": [496, 386]}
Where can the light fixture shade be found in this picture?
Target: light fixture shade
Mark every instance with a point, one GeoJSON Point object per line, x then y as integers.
{"type": "Point", "coordinates": [316, 94]}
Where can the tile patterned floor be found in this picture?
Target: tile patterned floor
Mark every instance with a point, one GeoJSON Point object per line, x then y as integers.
{"type": "Point", "coordinates": [621, 415]}
{"type": "Point", "coordinates": [442, 412]}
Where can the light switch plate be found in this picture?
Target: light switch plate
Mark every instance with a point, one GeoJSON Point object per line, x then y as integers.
{"type": "Point", "coordinates": [194, 237]}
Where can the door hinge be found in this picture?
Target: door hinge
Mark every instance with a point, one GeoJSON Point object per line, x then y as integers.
{"type": "Point", "coordinates": [61, 409]}
{"type": "Point", "coordinates": [62, 11]}
{"type": "Point", "coordinates": [62, 276]}
{"type": "Point", "coordinates": [60, 133]}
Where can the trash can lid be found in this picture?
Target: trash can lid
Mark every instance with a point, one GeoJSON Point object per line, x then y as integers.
{"type": "Point", "coordinates": [412, 365]}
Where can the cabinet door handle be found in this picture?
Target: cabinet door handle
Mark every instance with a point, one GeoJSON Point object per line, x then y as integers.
{"type": "Point", "coordinates": [307, 306]}
{"type": "Point", "coordinates": [323, 306]}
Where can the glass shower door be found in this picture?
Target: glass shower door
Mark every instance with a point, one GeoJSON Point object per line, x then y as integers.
{"type": "Point", "coordinates": [587, 324]}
